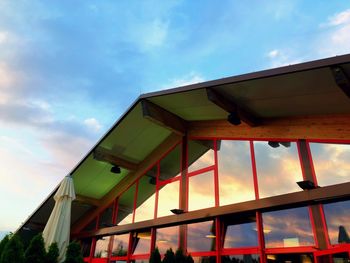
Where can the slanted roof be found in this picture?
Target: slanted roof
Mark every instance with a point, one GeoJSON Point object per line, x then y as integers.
{"type": "Point", "coordinates": [306, 89]}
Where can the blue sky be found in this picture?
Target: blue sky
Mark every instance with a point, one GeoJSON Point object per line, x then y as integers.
{"type": "Point", "coordinates": [69, 69]}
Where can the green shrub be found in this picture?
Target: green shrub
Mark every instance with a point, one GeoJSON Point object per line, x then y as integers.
{"type": "Point", "coordinates": [73, 254]}
{"type": "Point", "coordinates": [169, 256]}
{"type": "Point", "coordinates": [3, 243]}
{"type": "Point", "coordinates": [189, 259]}
{"type": "Point", "coordinates": [179, 256]}
{"type": "Point", "coordinates": [13, 251]}
{"type": "Point", "coordinates": [52, 254]}
{"type": "Point", "coordinates": [35, 252]}
{"type": "Point", "coordinates": [155, 256]}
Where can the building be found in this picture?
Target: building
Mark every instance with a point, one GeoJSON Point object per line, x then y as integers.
{"type": "Point", "coordinates": [251, 168]}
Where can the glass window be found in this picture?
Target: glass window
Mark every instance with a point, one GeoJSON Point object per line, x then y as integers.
{"type": "Point", "coordinates": [86, 246]}
{"type": "Point", "coordinates": [170, 165]}
{"type": "Point", "coordinates": [200, 154]}
{"type": "Point", "coordinates": [331, 163]}
{"type": "Point", "coordinates": [338, 223]}
{"type": "Point", "coordinates": [294, 257]}
{"type": "Point", "coordinates": [248, 258]}
{"type": "Point", "coordinates": [337, 258]}
{"type": "Point", "coordinates": [278, 168]}
{"type": "Point", "coordinates": [105, 219]}
{"type": "Point", "coordinates": [205, 259]}
{"type": "Point", "coordinates": [166, 238]}
{"type": "Point", "coordinates": [126, 206]}
{"type": "Point", "coordinates": [201, 191]}
{"type": "Point", "coordinates": [240, 233]}
{"type": "Point", "coordinates": [201, 236]}
{"type": "Point", "coordinates": [141, 242]}
{"type": "Point", "coordinates": [168, 198]}
{"type": "Point", "coordinates": [235, 172]}
{"type": "Point", "coordinates": [120, 245]}
{"type": "Point", "coordinates": [101, 249]}
{"type": "Point", "coordinates": [91, 225]}
{"type": "Point", "coordinates": [146, 197]}
{"type": "Point", "coordinates": [288, 228]}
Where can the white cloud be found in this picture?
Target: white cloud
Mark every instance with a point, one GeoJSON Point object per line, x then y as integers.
{"type": "Point", "coordinates": [93, 124]}
{"type": "Point", "coordinates": [340, 18]}
{"type": "Point", "coordinates": [279, 58]}
{"type": "Point", "coordinates": [191, 78]}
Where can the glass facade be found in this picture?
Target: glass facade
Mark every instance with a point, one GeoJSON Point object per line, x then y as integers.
{"type": "Point", "coordinates": [229, 173]}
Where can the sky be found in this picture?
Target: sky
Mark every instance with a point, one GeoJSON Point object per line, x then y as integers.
{"type": "Point", "coordinates": [69, 69]}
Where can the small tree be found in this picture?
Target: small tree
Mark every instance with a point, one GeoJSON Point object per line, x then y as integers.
{"type": "Point", "coordinates": [155, 256]}
{"type": "Point", "coordinates": [189, 259]}
{"type": "Point", "coordinates": [3, 243]}
{"type": "Point", "coordinates": [169, 256]}
{"type": "Point", "coordinates": [179, 256]}
{"type": "Point", "coordinates": [35, 252]}
{"type": "Point", "coordinates": [52, 254]}
{"type": "Point", "coordinates": [13, 251]}
{"type": "Point", "coordinates": [73, 254]}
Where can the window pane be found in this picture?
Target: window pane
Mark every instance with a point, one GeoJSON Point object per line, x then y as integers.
{"type": "Point", "coordinates": [170, 165]}
{"type": "Point", "coordinates": [235, 172]}
{"type": "Point", "coordinates": [168, 198]}
{"type": "Point", "coordinates": [145, 198]}
{"type": "Point", "coordinates": [200, 154]}
{"type": "Point", "coordinates": [278, 169]}
{"type": "Point", "coordinates": [142, 242]}
{"type": "Point", "coordinates": [248, 258]}
{"type": "Point", "coordinates": [201, 236]}
{"type": "Point", "coordinates": [106, 217]}
{"type": "Point", "coordinates": [120, 245]}
{"type": "Point", "coordinates": [304, 258]}
{"type": "Point", "coordinates": [86, 246]}
{"type": "Point", "coordinates": [242, 234]}
{"type": "Point", "coordinates": [126, 206]}
{"type": "Point", "coordinates": [338, 223]}
{"type": "Point", "coordinates": [337, 258]}
{"type": "Point", "coordinates": [167, 238]}
{"type": "Point", "coordinates": [288, 228]}
{"type": "Point", "coordinates": [201, 191]}
{"type": "Point", "coordinates": [205, 259]}
{"type": "Point", "coordinates": [91, 225]}
{"type": "Point", "coordinates": [101, 250]}
{"type": "Point", "coordinates": [331, 163]}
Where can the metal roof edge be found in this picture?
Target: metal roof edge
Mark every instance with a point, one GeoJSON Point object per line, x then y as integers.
{"type": "Point", "coordinates": [304, 66]}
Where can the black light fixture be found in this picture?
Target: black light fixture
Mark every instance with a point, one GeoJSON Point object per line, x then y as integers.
{"type": "Point", "coordinates": [273, 144]}
{"type": "Point", "coordinates": [233, 118]}
{"type": "Point", "coordinates": [115, 169]}
{"type": "Point", "coordinates": [306, 185]}
{"type": "Point", "coordinates": [177, 211]}
{"type": "Point", "coordinates": [152, 180]}
{"type": "Point", "coordinates": [285, 144]}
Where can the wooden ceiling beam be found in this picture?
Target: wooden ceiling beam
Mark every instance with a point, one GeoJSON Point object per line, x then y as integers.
{"type": "Point", "coordinates": [163, 117]}
{"type": "Point", "coordinates": [105, 155]}
{"type": "Point", "coordinates": [87, 200]}
{"type": "Point", "coordinates": [230, 106]}
{"type": "Point", "coordinates": [124, 184]}
{"type": "Point", "coordinates": [341, 79]}
{"type": "Point", "coordinates": [304, 127]}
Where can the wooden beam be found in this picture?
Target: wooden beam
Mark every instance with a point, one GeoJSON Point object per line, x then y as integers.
{"type": "Point", "coordinates": [310, 127]}
{"type": "Point", "coordinates": [230, 106]}
{"type": "Point", "coordinates": [341, 79]}
{"type": "Point", "coordinates": [314, 196]}
{"type": "Point", "coordinates": [123, 185]}
{"type": "Point", "coordinates": [105, 155]}
{"type": "Point", "coordinates": [87, 200]}
{"type": "Point", "coordinates": [163, 117]}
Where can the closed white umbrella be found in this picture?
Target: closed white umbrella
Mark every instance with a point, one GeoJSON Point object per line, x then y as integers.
{"type": "Point", "coordinates": [57, 228]}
